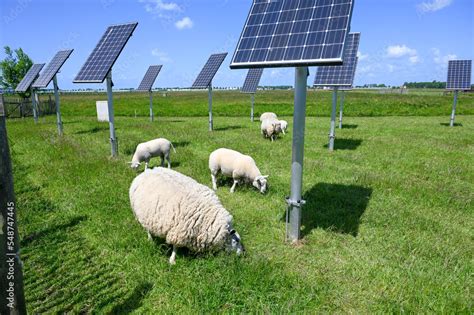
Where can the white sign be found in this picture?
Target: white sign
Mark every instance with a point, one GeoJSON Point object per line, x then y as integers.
{"type": "Point", "coordinates": [102, 111]}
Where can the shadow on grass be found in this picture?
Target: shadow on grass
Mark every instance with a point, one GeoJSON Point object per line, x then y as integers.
{"type": "Point", "coordinates": [93, 130]}
{"type": "Point", "coordinates": [134, 300]}
{"type": "Point", "coordinates": [335, 207]}
{"type": "Point", "coordinates": [349, 126]}
{"type": "Point", "coordinates": [227, 128]}
{"type": "Point", "coordinates": [181, 144]}
{"type": "Point", "coordinates": [448, 124]}
{"type": "Point", "coordinates": [345, 144]}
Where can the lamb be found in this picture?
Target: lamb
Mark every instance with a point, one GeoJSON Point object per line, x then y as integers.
{"type": "Point", "coordinates": [145, 151]}
{"type": "Point", "coordinates": [284, 126]}
{"type": "Point", "coordinates": [241, 167]}
{"type": "Point", "coordinates": [271, 128]}
{"type": "Point", "coordinates": [265, 116]}
{"type": "Point", "coordinates": [184, 213]}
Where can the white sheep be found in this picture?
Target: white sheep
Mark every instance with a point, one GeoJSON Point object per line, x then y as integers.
{"type": "Point", "coordinates": [145, 151]}
{"type": "Point", "coordinates": [271, 128]}
{"type": "Point", "coordinates": [284, 126]}
{"type": "Point", "coordinates": [238, 166]}
{"type": "Point", "coordinates": [184, 213]}
{"type": "Point", "coordinates": [265, 116]}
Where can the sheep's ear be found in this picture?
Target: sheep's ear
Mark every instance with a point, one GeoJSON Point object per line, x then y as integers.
{"type": "Point", "coordinates": [266, 176]}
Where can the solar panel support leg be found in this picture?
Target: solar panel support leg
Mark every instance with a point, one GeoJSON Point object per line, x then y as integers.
{"type": "Point", "coordinates": [58, 108]}
{"type": "Point", "coordinates": [252, 108]}
{"type": "Point", "coordinates": [110, 103]}
{"type": "Point", "coordinates": [33, 104]}
{"type": "Point", "coordinates": [211, 125]}
{"type": "Point", "coordinates": [453, 113]}
{"type": "Point", "coordinates": [341, 109]}
{"type": "Point", "coordinates": [332, 133]}
{"type": "Point", "coordinates": [295, 202]}
{"type": "Point", "coordinates": [151, 107]}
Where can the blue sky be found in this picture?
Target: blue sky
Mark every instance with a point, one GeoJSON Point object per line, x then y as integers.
{"type": "Point", "coordinates": [402, 40]}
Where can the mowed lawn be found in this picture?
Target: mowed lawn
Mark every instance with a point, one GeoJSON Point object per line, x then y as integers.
{"type": "Point", "coordinates": [388, 225]}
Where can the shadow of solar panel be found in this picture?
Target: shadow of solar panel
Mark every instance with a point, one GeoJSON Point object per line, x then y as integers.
{"type": "Point", "coordinates": [149, 78]}
{"type": "Point", "coordinates": [105, 54]}
{"type": "Point", "coordinates": [209, 70]}
{"type": "Point", "coordinates": [459, 75]}
{"type": "Point", "coordinates": [341, 75]}
{"type": "Point", "coordinates": [293, 33]}
{"type": "Point", "coordinates": [29, 77]}
{"type": "Point", "coordinates": [252, 80]}
{"type": "Point", "coordinates": [52, 68]}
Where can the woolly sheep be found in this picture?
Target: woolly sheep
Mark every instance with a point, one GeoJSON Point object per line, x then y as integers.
{"type": "Point", "coordinates": [265, 116]}
{"type": "Point", "coordinates": [284, 126]}
{"type": "Point", "coordinates": [238, 166]}
{"type": "Point", "coordinates": [270, 128]}
{"type": "Point", "coordinates": [145, 151]}
{"type": "Point", "coordinates": [184, 213]}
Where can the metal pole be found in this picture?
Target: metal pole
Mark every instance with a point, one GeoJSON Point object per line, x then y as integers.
{"type": "Point", "coordinates": [211, 125]}
{"type": "Point", "coordinates": [341, 109]}
{"type": "Point", "coordinates": [455, 103]}
{"type": "Point", "coordinates": [12, 295]}
{"type": "Point", "coordinates": [294, 201]}
{"type": "Point", "coordinates": [151, 106]}
{"type": "Point", "coordinates": [332, 134]}
{"type": "Point", "coordinates": [113, 140]}
{"type": "Point", "coordinates": [252, 108]}
{"type": "Point", "coordinates": [58, 108]}
{"type": "Point", "coordinates": [33, 103]}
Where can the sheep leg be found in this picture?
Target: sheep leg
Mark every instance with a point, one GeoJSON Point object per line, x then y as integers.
{"type": "Point", "coordinates": [232, 189]}
{"type": "Point", "coordinates": [162, 161]}
{"type": "Point", "coordinates": [214, 181]}
{"type": "Point", "coordinates": [146, 165]}
{"type": "Point", "coordinates": [168, 160]}
{"type": "Point", "coordinates": [150, 238]}
{"type": "Point", "coordinates": [284, 132]}
{"type": "Point", "coordinates": [173, 256]}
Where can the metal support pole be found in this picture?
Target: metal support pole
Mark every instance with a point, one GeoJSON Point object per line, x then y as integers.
{"type": "Point", "coordinates": [12, 295]}
{"type": "Point", "coordinates": [341, 109]}
{"type": "Point", "coordinates": [58, 108]}
{"type": "Point", "coordinates": [151, 106]}
{"type": "Point", "coordinates": [252, 108]}
{"type": "Point", "coordinates": [33, 103]}
{"type": "Point", "coordinates": [293, 218]}
{"type": "Point", "coordinates": [211, 124]}
{"type": "Point", "coordinates": [455, 103]}
{"type": "Point", "coordinates": [332, 134]}
{"type": "Point", "coordinates": [113, 139]}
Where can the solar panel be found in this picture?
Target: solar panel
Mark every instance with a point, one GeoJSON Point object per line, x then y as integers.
{"type": "Point", "coordinates": [341, 75]}
{"type": "Point", "coordinates": [29, 77]}
{"type": "Point", "coordinates": [282, 33]}
{"type": "Point", "coordinates": [52, 68]}
{"type": "Point", "coordinates": [459, 75]}
{"type": "Point", "coordinates": [149, 78]}
{"type": "Point", "coordinates": [210, 69]}
{"type": "Point", "coordinates": [105, 53]}
{"type": "Point", "coordinates": [252, 80]}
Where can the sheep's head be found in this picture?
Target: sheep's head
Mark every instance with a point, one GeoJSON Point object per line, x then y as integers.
{"type": "Point", "coordinates": [234, 243]}
{"type": "Point", "coordinates": [134, 165]}
{"type": "Point", "coordinates": [261, 183]}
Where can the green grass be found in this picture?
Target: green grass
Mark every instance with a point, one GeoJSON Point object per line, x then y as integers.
{"type": "Point", "coordinates": [387, 226]}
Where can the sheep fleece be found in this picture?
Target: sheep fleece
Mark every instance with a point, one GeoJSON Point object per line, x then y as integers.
{"type": "Point", "coordinates": [175, 207]}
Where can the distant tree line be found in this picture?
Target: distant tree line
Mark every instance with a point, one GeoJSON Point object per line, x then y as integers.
{"type": "Point", "coordinates": [426, 85]}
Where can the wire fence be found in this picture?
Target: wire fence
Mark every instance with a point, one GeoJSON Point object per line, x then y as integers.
{"type": "Point", "coordinates": [22, 107]}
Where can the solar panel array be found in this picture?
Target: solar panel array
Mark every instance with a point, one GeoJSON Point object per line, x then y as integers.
{"type": "Point", "coordinates": [252, 80]}
{"type": "Point", "coordinates": [341, 75]}
{"type": "Point", "coordinates": [459, 75]}
{"type": "Point", "coordinates": [210, 69]}
{"type": "Point", "coordinates": [281, 33]}
{"type": "Point", "coordinates": [29, 77]}
{"type": "Point", "coordinates": [52, 68]}
{"type": "Point", "coordinates": [149, 78]}
{"type": "Point", "coordinates": [105, 53]}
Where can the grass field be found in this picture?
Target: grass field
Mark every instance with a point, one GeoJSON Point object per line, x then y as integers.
{"type": "Point", "coordinates": [387, 226]}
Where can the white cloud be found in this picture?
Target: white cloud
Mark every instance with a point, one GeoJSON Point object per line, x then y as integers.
{"type": "Point", "coordinates": [398, 51]}
{"type": "Point", "coordinates": [391, 68]}
{"type": "Point", "coordinates": [361, 56]}
{"type": "Point", "coordinates": [414, 59]}
{"type": "Point", "coordinates": [440, 59]}
{"type": "Point", "coordinates": [184, 23]}
{"type": "Point", "coordinates": [161, 55]}
{"type": "Point", "coordinates": [433, 5]}
{"type": "Point", "coordinates": [158, 7]}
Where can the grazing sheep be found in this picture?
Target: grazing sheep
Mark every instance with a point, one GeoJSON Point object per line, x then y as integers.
{"type": "Point", "coordinates": [266, 116]}
{"type": "Point", "coordinates": [175, 207]}
{"type": "Point", "coordinates": [284, 126]}
{"type": "Point", "coordinates": [271, 128]}
{"type": "Point", "coordinates": [145, 151]}
{"type": "Point", "coordinates": [241, 167]}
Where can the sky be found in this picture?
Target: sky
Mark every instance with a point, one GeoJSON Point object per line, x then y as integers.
{"type": "Point", "coordinates": [401, 40]}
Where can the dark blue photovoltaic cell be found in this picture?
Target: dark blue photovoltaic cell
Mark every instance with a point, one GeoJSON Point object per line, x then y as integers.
{"type": "Point", "coordinates": [29, 77]}
{"type": "Point", "coordinates": [210, 69]}
{"type": "Point", "coordinates": [252, 80]}
{"type": "Point", "coordinates": [459, 75]}
{"type": "Point", "coordinates": [52, 68]}
{"type": "Point", "coordinates": [341, 75]}
{"type": "Point", "coordinates": [105, 53]}
{"type": "Point", "coordinates": [293, 32]}
{"type": "Point", "coordinates": [149, 78]}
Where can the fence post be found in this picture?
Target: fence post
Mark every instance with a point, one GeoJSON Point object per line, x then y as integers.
{"type": "Point", "coordinates": [12, 296]}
